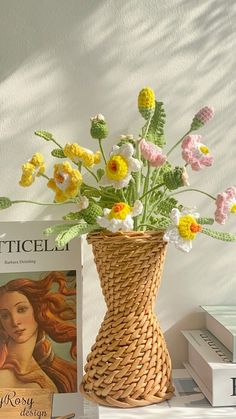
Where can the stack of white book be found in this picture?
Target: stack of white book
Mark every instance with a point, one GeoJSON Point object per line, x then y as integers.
{"type": "Point", "coordinates": [212, 355]}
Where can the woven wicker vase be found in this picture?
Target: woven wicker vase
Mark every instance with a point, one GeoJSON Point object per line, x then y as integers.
{"type": "Point", "coordinates": [129, 364]}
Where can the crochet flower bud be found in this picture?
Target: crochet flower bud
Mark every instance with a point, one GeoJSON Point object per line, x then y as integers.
{"type": "Point", "coordinates": [176, 178]}
{"type": "Point", "coordinates": [202, 117]}
{"type": "Point", "coordinates": [5, 202]}
{"type": "Point", "coordinates": [99, 129]}
{"type": "Point", "coordinates": [91, 213]}
{"type": "Point", "coordinates": [146, 102]}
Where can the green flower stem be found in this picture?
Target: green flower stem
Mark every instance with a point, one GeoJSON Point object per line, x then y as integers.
{"type": "Point", "coordinates": [156, 177]}
{"type": "Point", "coordinates": [194, 190]}
{"type": "Point", "coordinates": [178, 142]}
{"type": "Point", "coordinates": [20, 201]}
{"type": "Point", "coordinates": [102, 151]}
{"type": "Point", "coordinates": [156, 205]}
{"type": "Point", "coordinates": [55, 142]}
{"type": "Point", "coordinates": [145, 225]}
{"type": "Point", "coordinates": [147, 127]}
{"type": "Point", "coordinates": [91, 173]}
{"type": "Point", "coordinates": [151, 190]}
{"type": "Point", "coordinates": [123, 195]}
{"type": "Point", "coordinates": [137, 183]}
{"type": "Point", "coordinates": [145, 189]}
{"type": "Point", "coordinates": [43, 175]}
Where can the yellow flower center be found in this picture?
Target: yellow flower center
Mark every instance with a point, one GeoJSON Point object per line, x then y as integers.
{"type": "Point", "coordinates": [188, 227]}
{"type": "Point", "coordinates": [204, 149]}
{"type": "Point", "coordinates": [117, 168]}
{"type": "Point", "coordinates": [120, 210]}
{"type": "Point", "coordinates": [233, 208]}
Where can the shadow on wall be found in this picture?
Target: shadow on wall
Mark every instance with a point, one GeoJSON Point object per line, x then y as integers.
{"type": "Point", "coordinates": [175, 339]}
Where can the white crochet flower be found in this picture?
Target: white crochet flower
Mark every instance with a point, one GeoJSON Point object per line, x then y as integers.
{"type": "Point", "coordinates": [120, 216]}
{"type": "Point", "coordinates": [184, 228]}
{"type": "Point", "coordinates": [120, 166]}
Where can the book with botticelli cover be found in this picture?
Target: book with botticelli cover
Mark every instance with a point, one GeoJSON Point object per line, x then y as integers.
{"type": "Point", "coordinates": [221, 322]}
{"type": "Point", "coordinates": [41, 314]}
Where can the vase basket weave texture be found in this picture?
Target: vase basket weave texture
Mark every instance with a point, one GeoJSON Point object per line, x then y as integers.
{"type": "Point", "coordinates": [129, 364]}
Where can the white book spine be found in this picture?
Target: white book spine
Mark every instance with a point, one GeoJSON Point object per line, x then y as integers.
{"type": "Point", "coordinates": [210, 368]}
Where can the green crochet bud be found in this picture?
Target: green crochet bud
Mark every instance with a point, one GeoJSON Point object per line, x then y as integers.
{"type": "Point", "coordinates": [91, 213]}
{"type": "Point", "coordinates": [99, 129]}
{"type": "Point", "coordinates": [5, 203]}
{"type": "Point", "coordinates": [176, 178]}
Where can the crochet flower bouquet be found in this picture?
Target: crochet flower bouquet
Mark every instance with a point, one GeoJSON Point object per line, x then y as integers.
{"type": "Point", "coordinates": [134, 188]}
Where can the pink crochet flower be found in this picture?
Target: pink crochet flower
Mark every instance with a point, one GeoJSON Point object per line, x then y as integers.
{"type": "Point", "coordinates": [195, 152]}
{"type": "Point", "coordinates": [225, 204]}
{"type": "Point", "coordinates": [202, 117]}
{"type": "Point", "coordinates": [152, 153]}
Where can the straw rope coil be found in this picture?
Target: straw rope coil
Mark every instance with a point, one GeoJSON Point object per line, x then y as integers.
{"type": "Point", "coordinates": [129, 364]}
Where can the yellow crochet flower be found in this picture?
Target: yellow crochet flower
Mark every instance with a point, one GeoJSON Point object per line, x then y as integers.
{"type": "Point", "coordinates": [77, 153]}
{"type": "Point", "coordinates": [66, 182]}
{"type": "Point", "coordinates": [146, 102]}
{"type": "Point", "coordinates": [31, 169]}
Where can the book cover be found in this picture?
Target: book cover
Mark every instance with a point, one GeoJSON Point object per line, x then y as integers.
{"type": "Point", "coordinates": [41, 314]}
{"type": "Point", "coordinates": [209, 364]}
{"type": "Point", "coordinates": [221, 322]}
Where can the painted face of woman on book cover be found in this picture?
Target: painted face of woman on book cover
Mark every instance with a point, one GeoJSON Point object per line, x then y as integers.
{"type": "Point", "coordinates": [17, 316]}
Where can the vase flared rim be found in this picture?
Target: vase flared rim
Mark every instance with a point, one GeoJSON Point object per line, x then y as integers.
{"type": "Point", "coordinates": [137, 236]}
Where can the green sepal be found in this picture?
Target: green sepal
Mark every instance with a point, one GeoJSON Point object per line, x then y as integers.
{"type": "Point", "coordinates": [227, 237]}
{"type": "Point", "coordinates": [58, 152]}
{"type": "Point", "coordinates": [5, 202]}
{"type": "Point", "coordinates": [100, 173]}
{"type": "Point", "coordinates": [45, 135]}
{"type": "Point", "coordinates": [205, 220]}
{"type": "Point", "coordinates": [156, 128]}
{"type": "Point", "coordinates": [73, 231]}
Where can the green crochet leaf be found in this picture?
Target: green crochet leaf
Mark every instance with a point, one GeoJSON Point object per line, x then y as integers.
{"type": "Point", "coordinates": [5, 202]}
{"type": "Point", "coordinates": [45, 135]}
{"type": "Point", "coordinates": [160, 172]}
{"type": "Point", "coordinates": [167, 205]}
{"type": "Point", "coordinates": [100, 173]}
{"type": "Point", "coordinates": [58, 152]}
{"type": "Point", "coordinates": [70, 233]}
{"type": "Point", "coordinates": [72, 216]}
{"type": "Point", "coordinates": [160, 223]}
{"type": "Point", "coordinates": [205, 220]}
{"type": "Point", "coordinates": [57, 228]}
{"type": "Point", "coordinates": [156, 127]}
{"type": "Point", "coordinates": [227, 237]}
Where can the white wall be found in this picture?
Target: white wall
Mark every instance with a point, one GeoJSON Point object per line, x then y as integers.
{"type": "Point", "coordinates": [62, 61]}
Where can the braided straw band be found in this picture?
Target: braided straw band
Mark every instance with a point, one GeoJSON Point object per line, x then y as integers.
{"type": "Point", "coordinates": [129, 364]}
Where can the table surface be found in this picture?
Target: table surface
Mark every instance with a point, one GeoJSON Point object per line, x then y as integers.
{"type": "Point", "coordinates": [187, 403]}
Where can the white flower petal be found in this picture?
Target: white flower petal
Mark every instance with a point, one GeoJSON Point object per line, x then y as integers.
{"type": "Point", "coordinates": [184, 245]}
{"type": "Point", "coordinates": [128, 223]}
{"type": "Point", "coordinates": [134, 165]}
{"type": "Point", "coordinates": [105, 181]}
{"type": "Point", "coordinates": [83, 203]}
{"type": "Point", "coordinates": [119, 184]}
{"type": "Point", "coordinates": [115, 150]}
{"type": "Point", "coordinates": [171, 235]}
{"type": "Point", "coordinates": [126, 150]}
{"type": "Point", "coordinates": [175, 214]}
{"type": "Point", "coordinates": [137, 208]}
